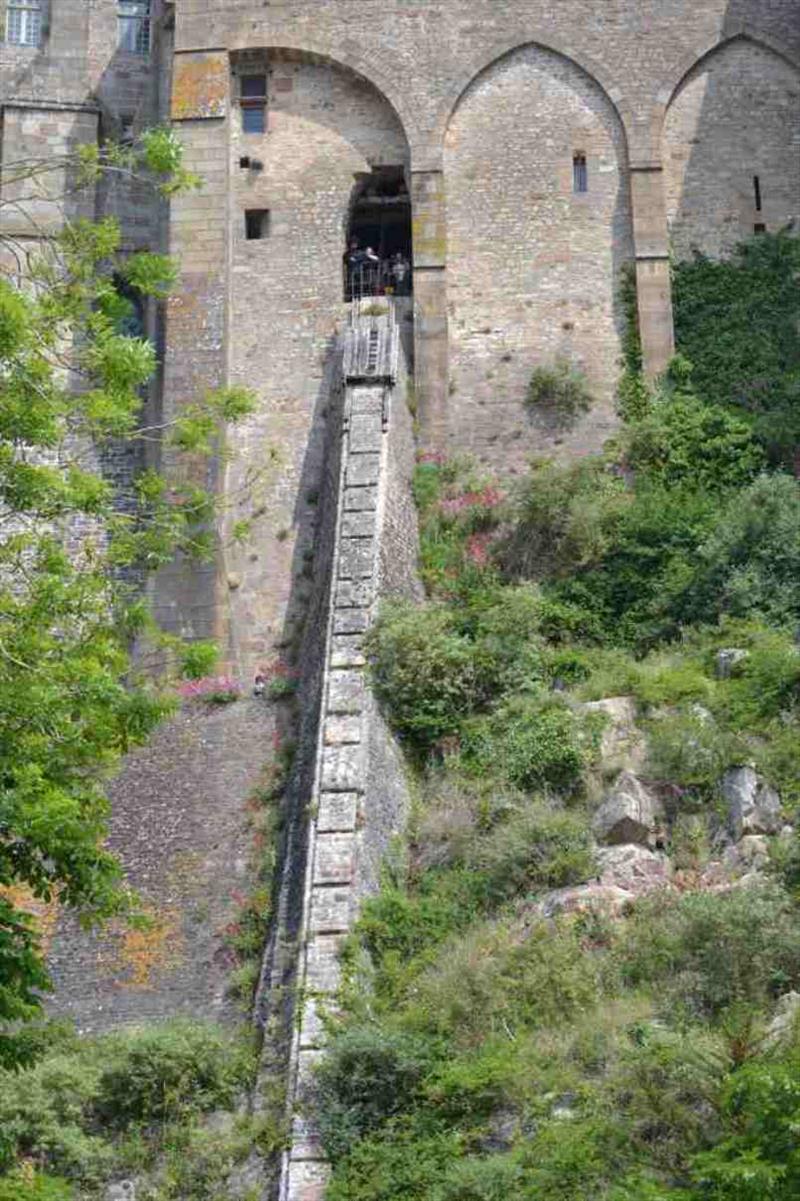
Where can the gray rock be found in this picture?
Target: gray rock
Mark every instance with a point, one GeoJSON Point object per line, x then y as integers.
{"type": "Point", "coordinates": [786, 1014]}
{"type": "Point", "coordinates": [630, 813]}
{"type": "Point", "coordinates": [753, 807]}
{"type": "Point", "coordinates": [750, 854]}
{"type": "Point", "coordinates": [726, 660]}
{"type": "Point", "coordinates": [622, 744]}
{"type": "Point", "coordinates": [586, 898]}
{"type": "Point", "coordinates": [633, 868]}
{"type": "Point", "coordinates": [123, 1190]}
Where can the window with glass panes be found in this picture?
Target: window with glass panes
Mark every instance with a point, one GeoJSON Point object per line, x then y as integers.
{"type": "Point", "coordinates": [24, 22]}
{"type": "Point", "coordinates": [253, 99]}
{"type": "Point", "coordinates": [133, 21]}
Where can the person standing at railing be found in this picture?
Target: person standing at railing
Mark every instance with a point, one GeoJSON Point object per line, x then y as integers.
{"type": "Point", "coordinates": [399, 274]}
{"type": "Point", "coordinates": [370, 273]}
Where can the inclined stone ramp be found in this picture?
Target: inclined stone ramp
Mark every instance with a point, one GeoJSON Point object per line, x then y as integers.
{"type": "Point", "coordinates": [351, 822]}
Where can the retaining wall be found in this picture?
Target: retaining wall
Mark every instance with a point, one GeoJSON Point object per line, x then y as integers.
{"type": "Point", "coordinates": [359, 800]}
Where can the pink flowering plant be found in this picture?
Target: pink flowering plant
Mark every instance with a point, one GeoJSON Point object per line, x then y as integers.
{"type": "Point", "coordinates": [215, 690]}
{"type": "Point", "coordinates": [461, 512]}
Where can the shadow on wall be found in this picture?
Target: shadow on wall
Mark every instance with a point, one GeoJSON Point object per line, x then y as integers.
{"type": "Point", "coordinates": [731, 145]}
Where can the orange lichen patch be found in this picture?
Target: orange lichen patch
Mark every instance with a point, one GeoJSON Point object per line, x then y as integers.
{"type": "Point", "coordinates": [199, 86]}
{"type": "Point", "coordinates": [44, 913]}
{"type": "Point", "coordinates": [141, 954]}
{"type": "Point", "coordinates": [186, 875]}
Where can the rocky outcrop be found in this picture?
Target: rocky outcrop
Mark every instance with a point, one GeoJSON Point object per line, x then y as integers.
{"type": "Point", "coordinates": [750, 854]}
{"type": "Point", "coordinates": [633, 868]}
{"type": "Point", "coordinates": [622, 744]}
{"type": "Point", "coordinates": [586, 898]}
{"type": "Point", "coordinates": [787, 1014]}
{"type": "Point", "coordinates": [631, 813]}
{"type": "Point", "coordinates": [726, 660]}
{"type": "Point", "coordinates": [753, 806]}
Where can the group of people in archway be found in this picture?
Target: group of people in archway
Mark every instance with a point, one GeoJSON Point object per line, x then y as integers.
{"type": "Point", "coordinates": [367, 274]}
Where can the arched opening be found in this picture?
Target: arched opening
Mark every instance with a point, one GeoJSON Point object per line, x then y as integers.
{"type": "Point", "coordinates": [378, 251]}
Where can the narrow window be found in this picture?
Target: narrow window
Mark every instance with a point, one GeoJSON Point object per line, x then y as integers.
{"type": "Point", "coordinates": [757, 192]}
{"type": "Point", "coordinates": [126, 131]}
{"type": "Point", "coordinates": [24, 22]}
{"type": "Point", "coordinates": [580, 173]}
{"type": "Point", "coordinates": [759, 228]}
{"type": "Point", "coordinates": [256, 224]}
{"type": "Point", "coordinates": [253, 99]}
{"type": "Point", "coordinates": [133, 26]}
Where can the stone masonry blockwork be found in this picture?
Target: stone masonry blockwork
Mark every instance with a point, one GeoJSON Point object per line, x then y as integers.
{"type": "Point", "coordinates": [481, 105]}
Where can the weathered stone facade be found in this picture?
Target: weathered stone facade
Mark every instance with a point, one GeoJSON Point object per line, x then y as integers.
{"type": "Point", "coordinates": [677, 108]}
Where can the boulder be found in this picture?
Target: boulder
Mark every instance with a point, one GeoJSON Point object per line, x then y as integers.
{"type": "Point", "coordinates": [630, 813]}
{"type": "Point", "coordinates": [753, 807]}
{"type": "Point", "coordinates": [750, 854]}
{"type": "Point", "coordinates": [124, 1190]}
{"type": "Point", "coordinates": [726, 660]}
{"type": "Point", "coordinates": [633, 868]}
{"type": "Point", "coordinates": [622, 745]}
{"type": "Point", "coordinates": [782, 1025]}
{"type": "Point", "coordinates": [586, 898]}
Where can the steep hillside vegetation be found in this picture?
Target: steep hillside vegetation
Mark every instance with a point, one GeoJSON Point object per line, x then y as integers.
{"type": "Point", "coordinates": [577, 982]}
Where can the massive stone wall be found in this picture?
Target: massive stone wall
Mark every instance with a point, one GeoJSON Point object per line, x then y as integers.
{"type": "Point", "coordinates": [359, 799]}
{"type": "Point", "coordinates": [735, 118]}
{"type": "Point", "coordinates": [533, 266]}
{"type": "Point", "coordinates": [285, 307]}
{"type": "Point", "coordinates": [424, 56]}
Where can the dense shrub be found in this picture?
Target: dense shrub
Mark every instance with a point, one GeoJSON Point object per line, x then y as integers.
{"type": "Point", "coordinates": [53, 1110]}
{"type": "Point", "coordinates": [749, 565]}
{"type": "Point", "coordinates": [737, 322]}
{"type": "Point", "coordinates": [498, 978]}
{"type": "Point", "coordinates": [368, 1076]}
{"type": "Point", "coordinates": [565, 520]}
{"type": "Point", "coordinates": [687, 749]}
{"type": "Point", "coordinates": [682, 439]}
{"type": "Point", "coordinates": [406, 1166]}
{"type": "Point", "coordinates": [424, 671]}
{"type": "Point", "coordinates": [708, 951]}
{"type": "Point", "coordinates": [30, 1185]}
{"type": "Point", "coordinates": [758, 1158]}
{"type": "Point", "coordinates": [534, 742]}
{"type": "Point", "coordinates": [157, 1072]}
{"type": "Point", "coordinates": [560, 390]}
{"type": "Point", "coordinates": [539, 847]}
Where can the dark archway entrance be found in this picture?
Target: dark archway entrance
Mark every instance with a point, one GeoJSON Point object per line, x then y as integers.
{"type": "Point", "coordinates": [380, 220]}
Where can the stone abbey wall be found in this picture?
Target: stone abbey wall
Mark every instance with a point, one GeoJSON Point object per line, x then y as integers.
{"type": "Point", "coordinates": [484, 104]}
{"type": "Point", "coordinates": [532, 266]}
{"type": "Point", "coordinates": [678, 107]}
{"type": "Point", "coordinates": [734, 118]}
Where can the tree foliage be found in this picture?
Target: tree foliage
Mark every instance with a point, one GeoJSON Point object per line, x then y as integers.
{"type": "Point", "coordinates": [72, 558]}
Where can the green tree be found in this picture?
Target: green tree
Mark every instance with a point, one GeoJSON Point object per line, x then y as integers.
{"type": "Point", "coordinates": [71, 560]}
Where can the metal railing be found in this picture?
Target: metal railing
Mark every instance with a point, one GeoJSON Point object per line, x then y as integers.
{"type": "Point", "coordinates": [367, 280]}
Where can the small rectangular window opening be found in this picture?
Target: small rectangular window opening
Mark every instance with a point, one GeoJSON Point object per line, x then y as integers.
{"type": "Point", "coordinates": [580, 173]}
{"type": "Point", "coordinates": [757, 192]}
{"type": "Point", "coordinates": [24, 22]}
{"type": "Point", "coordinates": [253, 100]}
{"type": "Point", "coordinates": [126, 129]}
{"type": "Point", "coordinates": [256, 224]}
{"type": "Point", "coordinates": [759, 228]}
{"type": "Point", "coordinates": [133, 26]}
